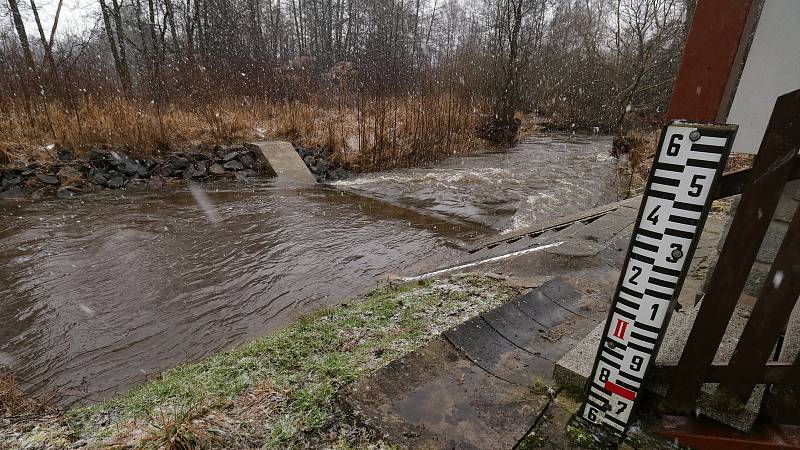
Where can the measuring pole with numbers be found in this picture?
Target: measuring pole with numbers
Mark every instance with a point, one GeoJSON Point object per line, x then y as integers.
{"type": "Point", "coordinates": [686, 168]}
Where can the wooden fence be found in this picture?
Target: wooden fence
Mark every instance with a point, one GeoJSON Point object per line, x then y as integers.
{"type": "Point", "coordinates": [761, 187]}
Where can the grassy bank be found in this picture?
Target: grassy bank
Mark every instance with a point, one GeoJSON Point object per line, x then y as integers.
{"type": "Point", "coordinates": [277, 391]}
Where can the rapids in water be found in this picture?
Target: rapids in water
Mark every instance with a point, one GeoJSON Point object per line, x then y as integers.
{"type": "Point", "coordinates": [100, 292]}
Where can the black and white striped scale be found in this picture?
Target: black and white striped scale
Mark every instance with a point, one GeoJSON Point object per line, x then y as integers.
{"type": "Point", "coordinates": [689, 162]}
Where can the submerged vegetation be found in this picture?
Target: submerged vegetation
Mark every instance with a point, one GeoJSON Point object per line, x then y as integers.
{"type": "Point", "coordinates": [14, 402]}
{"type": "Point", "coordinates": [280, 390]}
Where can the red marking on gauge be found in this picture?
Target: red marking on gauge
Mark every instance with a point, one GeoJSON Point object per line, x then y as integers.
{"type": "Point", "coordinates": [619, 331]}
{"type": "Point", "coordinates": [621, 391]}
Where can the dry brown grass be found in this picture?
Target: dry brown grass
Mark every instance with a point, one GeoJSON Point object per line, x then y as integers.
{"type": "Point", "coordinates": [178, 429]}
{"type": "Point", "coordinates": [530, 125]}
{"type": "Point", "coordinates": [16, 403]}
{"type": "Point", "coordinates": [244, 422]}
{"type": "Point", "coordinates": [19, 154]}
{"type": "Point", "coordinates": [374, 134]}
{"type": "Point", "coordinates": [411, 131]}
{"type": "Point", "coordinates": [738, 161]}
{"type": "Point", "coordinates": [140, 126]}
{"type": "Point", "coordinates": [635, 171]}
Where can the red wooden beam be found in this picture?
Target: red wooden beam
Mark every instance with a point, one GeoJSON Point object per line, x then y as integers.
{"type": "Point", "coordinates": [709, 57]}
{"type": "Point", "coordinates": [706, 435]}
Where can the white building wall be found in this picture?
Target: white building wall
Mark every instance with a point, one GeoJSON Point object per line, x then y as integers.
{"type": "Point", "coordinates": [771, 70]}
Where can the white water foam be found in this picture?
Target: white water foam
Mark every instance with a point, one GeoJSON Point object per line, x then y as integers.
{"type": "Point", "coordinates": [490, 175]}
{"type": "Point", "coordinates": [529, 209]}
{"type": "Point", "coordinates": [483, 261]}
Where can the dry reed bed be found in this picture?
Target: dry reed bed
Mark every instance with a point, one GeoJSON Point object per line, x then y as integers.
{"type": "Point", "coordinates": [368, 135]}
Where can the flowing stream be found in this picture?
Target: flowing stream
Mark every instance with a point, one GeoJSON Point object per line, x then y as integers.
{"type": "Point", "coordinates": [102, 291]}
{"type": "Point", "coordinates": [542, 177]}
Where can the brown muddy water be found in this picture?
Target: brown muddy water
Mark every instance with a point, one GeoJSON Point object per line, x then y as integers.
{"type": "Point", "coordinates": [541, 178]}
{"type": "Point", "coordinates": [102, 291]}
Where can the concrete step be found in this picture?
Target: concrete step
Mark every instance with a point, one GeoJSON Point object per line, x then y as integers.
{"type": "Point", "coordinates": [286, 163]}
{"type": "Point", "coordinates": [591, 239]}
{"type": "Point", "coordinates": [559, 223]}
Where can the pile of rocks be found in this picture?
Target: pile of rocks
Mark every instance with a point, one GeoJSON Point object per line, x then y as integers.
{"type": "Point", "coordinates": [322, 165]}
{"type": "Point", "coordinates": [114, 169]}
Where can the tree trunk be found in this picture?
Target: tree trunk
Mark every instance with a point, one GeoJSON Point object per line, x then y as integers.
{"type": "Point", "coordinates": [53, 29]}
{"type": "Point", "coordinates": [48, 55]}
{"type": "Point", "coordinates": [170, 12]}
{"type": "Point", "coordinates": [123, 56]}
{"type": "Point", "coordinates": [119, 61]}
{"type": "Point", "coordinates": [19, 25]}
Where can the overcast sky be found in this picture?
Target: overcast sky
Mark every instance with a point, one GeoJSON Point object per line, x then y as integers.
{"type": "Point", "coordinates": [77, 16]}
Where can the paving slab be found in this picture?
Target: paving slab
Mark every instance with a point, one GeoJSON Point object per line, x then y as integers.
{"type": "Point", "coordinates": [540, 308]}
{"type": "Point", "coordinates": [553, 424]}
{"type": "Point", "coordinates": [561, 293]}
{"type": "Point", "coordinates": [435, 398]}
{"type": "Point", "coordinates": [492, 352]}
{"type": "Point", "coordinates": [519, 328]}
{"type": "Point", "coordinates": [559, 223]}
{"type": "Point", "coordinates": [593, 237]}
{"type": "Point", "coordinates": [457, 391]}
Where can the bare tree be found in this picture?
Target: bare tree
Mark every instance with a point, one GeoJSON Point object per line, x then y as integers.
{"type": "Point", "coordinates": [584, 63]}
{"type": "Point", "coordinates": [115, 34]}
{"type": "Point", "coordinates": [19, 26]}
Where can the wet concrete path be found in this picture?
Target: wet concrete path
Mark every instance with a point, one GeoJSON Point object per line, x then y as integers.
{"type": "Point", "coordinates": [483, 384]}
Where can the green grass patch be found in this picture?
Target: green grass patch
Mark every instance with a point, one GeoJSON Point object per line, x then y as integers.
{"type": "Point", "coordinates": [307, 362]}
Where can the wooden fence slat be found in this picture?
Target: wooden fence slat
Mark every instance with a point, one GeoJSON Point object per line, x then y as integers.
{"type": "Point", "coordinates": [768, 318]}
{"type": "Point", "coordinates": [774, 372]}
{"type": "Point", "coordinates": [784, 404]}
{"type": "Point", "coordinates": [771, 168]}
{"type": "Point", "coordinates": [733, 183]}
{"type": "Point", "coordinates": [792, 378]}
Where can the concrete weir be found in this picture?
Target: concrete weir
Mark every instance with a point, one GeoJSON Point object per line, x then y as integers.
{"type": "Point", "coordinates": [286, 163]}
